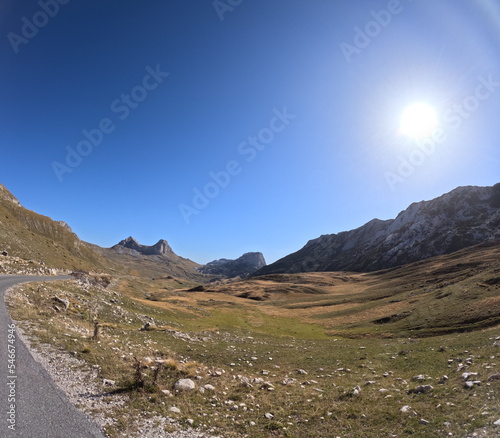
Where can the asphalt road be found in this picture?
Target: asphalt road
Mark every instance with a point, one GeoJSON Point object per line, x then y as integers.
{"type": "Point", "coordinates": [31, 405]}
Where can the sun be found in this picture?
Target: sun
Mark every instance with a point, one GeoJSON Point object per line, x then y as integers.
{"type": "Point", "coordinates": [419, 120]}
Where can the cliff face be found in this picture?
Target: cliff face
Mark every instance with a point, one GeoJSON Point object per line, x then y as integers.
{"type": "Point", "coordinates": [244, 266]}
{"type": "Point", "coordinates": [160, 248]}
{"type": "Point", "coordinates": [463, 217]}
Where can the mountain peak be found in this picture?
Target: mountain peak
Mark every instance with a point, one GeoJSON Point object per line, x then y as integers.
{"type": "Point", "coordinates": [160, 248]}
{"type": "Point", "coordinates": [464, 217]}
{"type": "Point", "coordinates": [243, 266]}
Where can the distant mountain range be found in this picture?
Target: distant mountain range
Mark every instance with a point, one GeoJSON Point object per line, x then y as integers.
{"type": "Point", "coordinates": [463, 217]}
{"type": "Point", "coordinates": [242, 267]}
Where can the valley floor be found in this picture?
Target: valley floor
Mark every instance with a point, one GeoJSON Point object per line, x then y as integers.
{"type": "Point", "coordinates": [257, 372]}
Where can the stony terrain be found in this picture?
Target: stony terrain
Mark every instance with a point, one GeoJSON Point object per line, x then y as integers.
{"type": "Point", "coordinates": [234, 380]}
{"type": "Point", "coordinates": [18, 266]}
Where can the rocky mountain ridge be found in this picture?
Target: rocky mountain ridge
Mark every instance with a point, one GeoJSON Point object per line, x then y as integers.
{"type": "Point", "coordinates": [461, 218]}
{"type": "Point", "coordinates": [243, 266]}
{"type": "Point", "coordinates": [133, 247]}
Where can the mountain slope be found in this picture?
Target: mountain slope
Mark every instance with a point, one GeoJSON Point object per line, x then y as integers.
{"type": "Point", "coordinates": [461, 218]}
{"type": "Point", "coordinates": [29, 235]}
{"type": "Point", "coordinates": [449, 293]}
{"type": "Point", "coordinates": [151, 261]}
{"type": "Point", "coordinates": [243, 266]}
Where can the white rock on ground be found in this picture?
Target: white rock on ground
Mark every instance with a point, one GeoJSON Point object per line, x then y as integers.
{"type": "Point", "coordinates": [184, 385]}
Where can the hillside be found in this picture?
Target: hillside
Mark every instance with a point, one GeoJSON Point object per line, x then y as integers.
{"type": "Point", "coordinates": [449, 293]}
{"type": "Point", "coordinates": [29, 235]}
{"type": "Point", "coordinates": [461, 218]}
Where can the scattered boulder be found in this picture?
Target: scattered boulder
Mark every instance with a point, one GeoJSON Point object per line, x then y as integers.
{"type": "Point", "coordinates": [63, 301]}
{"type": "Point", "coordinates": [421, 389]}
{"type": "Point", "coordinates": [108, 382]}
{"type": "Point", "coordinates": [184, 385]}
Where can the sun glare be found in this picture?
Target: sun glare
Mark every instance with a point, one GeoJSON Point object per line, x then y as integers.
{"type": "Point", "coordinates": [418, 121]}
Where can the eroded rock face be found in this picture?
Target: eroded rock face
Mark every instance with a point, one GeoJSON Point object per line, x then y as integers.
{"type": "Point", "coordinates": [463, 217]}
{"type": "Point", "coordinates": [160, 248]}
{"type": "Point", "coordinates": [244, 266]}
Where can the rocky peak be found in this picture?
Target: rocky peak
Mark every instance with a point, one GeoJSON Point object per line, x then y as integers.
{"type": "Point", "coordinates": [160, 248]}
{"type": "Point", "coordinates": [243, 266]}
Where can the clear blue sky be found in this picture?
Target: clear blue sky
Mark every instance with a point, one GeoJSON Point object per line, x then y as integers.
{"type": "Point", "coordinates": [320, 85]}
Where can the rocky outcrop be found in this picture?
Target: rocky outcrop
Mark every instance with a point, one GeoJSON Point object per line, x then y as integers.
{"type": "Point", "coordinates": [463, 217]}
{"type": "Point", "coordinates": [5, 194]}
{"type": "Point", "coordinates": [131, 246]}
{"type": "Point", "coordinates": [244, 266]}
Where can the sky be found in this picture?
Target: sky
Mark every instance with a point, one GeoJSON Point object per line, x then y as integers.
{"type": "Point", "coordinates": [231, 126]}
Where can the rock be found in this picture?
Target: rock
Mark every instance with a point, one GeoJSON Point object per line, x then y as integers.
{"type": "Point", "coordinates": [107, 382]}
{"type": "Point", "coordinates": [419, 378]}
{"type": "Point", "coordinates": [302, 372]}
{"type": "Point", "coordinates": [443, 380]}
{"type": "Point", "coordinates": [467, 376]}
{"type": "Point", "coordinates": [167, 393]}
{"type": "Point", "coordinates": [190, 421]}
{"type": "Point", "coordinates": [267, 385]}
{"type": "Point", "coordinates": [424, 422]}
{"type": "Point", "coordinates": [405, 409]}
{"type": "Point", "coordinates": [469, 384]}
{"type": "Point", "coordinates": [356, 391]}
{"type": "Point", "coordinates": [63, 301]}
{"type": "Point", "coordinates": [370, 382]}
{"type": "Point", "coordinates": [184, 385]}
{"type": "Point", "coordinates": [421, 389]}
{"type": "Point", "coordinates": [209, 388]}
{"type": "Point", "coordinates": [497, 423]}
{"type": "Point", "coordinates": [269, 416]}
{"type": "Point", "coordinates": [175, 410]}
{"type": "Point", "coordinates": [493, 377]}
{"type": "Point", "coordinates": [146, 327]}
{"type": "Point", "coordinates": [288, 381]}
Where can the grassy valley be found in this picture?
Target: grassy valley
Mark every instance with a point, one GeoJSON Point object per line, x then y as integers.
{"type": "Point", "coordinates": [302, 355]}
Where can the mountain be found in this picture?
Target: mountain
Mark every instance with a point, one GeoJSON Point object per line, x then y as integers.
{"type": "Point", "coordinates": [36, 239]}
{"type": "Point", "coordinates": [461, 218]}
{"type": "Point", "coordinates": [131, 246]}
{"type": "Point", "coordinates": [31, 236]}
{"type": "Point", "coordinates": [151, 261]}
{"type": "Point", "coordinates": [244, 266]}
